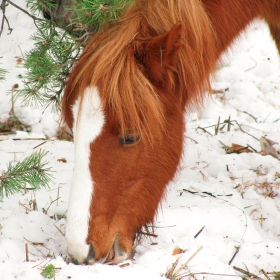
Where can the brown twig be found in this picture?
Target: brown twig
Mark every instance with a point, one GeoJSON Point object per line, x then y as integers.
{"type": "Point", "coordinates": [234, 255]}
{"type": "Point", "coordinates": [249, 146]}
{"type": "Point", "coordinates": [59, 230]}
{"type": "Point", "coordinates": [205, 273]}
{"type": "Point", "coordinates": [24, 206]}
{"type": "Point", "coordinates": [38, 264]}
{"type": "Point", "coordinates": [249, 274]}
{"type": "Point", "coordinates": [27, 139]}
{"type": "Point", "coordinates": [57, 194]}
{"type": "Point", "coordinates": [217, 126]}
{"type": "Point", "coordinates": [163, 226]}
{"type": "Point", "coordinates": [203, 129]}
{"type": "Point", "coordinates": [33, 244]}
{"type": "Point", "coordinates": [148, 234]}
{"type": "Point", "coordinates": [26, 252]}
{"type": "Point", "coordinates": [39, 145]}
{"type": "Point", "coordinates": [192, 139]}
{"type": "Point", "coordinates": [3, 8]}
{"type": "Point", "coordinates": [229, 123]}
{"type": "Point", "coordinates": [265, 274]}
{"type": "Point", "coordinates": [22, 10]}
{"type": "Point", "coordinates": [200, 231]}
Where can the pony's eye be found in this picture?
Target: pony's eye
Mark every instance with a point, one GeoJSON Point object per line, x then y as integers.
{"type": "Point", "coordinates": [130, 138]}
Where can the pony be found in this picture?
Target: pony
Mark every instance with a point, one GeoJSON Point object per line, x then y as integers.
{"type": "Point", "coordinates": [125, 101]}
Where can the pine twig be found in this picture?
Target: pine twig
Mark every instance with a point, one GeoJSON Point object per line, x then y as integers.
{"type": "Point", "coordinates": [31, 170]}
{"type": "Point", "coordinates": [22, 10]}
{"type": "Point", "coordinates": [3, 8]}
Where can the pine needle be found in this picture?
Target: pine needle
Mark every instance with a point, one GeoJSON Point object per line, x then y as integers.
{"type": "Point", "coordinates": [32, 170]}
{"type": "Point", "coordinates": [3, 72]}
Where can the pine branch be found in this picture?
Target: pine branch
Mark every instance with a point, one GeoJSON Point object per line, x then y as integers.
{"type": "Point", "coordinates": [32, 170]}
{"type": "Point", "coordinates": [58, 43]}
{"type": "Point", "coordinates": [48, 65]}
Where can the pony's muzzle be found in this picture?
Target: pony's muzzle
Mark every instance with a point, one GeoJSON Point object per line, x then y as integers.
{"type": "Point", "coordinates": [115, 255]}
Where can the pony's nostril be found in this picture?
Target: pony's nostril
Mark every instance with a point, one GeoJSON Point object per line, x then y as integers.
{"type": "Point", "coordinates": [116, 254]}
{"type": "Point", "coordinates": [91, 255]}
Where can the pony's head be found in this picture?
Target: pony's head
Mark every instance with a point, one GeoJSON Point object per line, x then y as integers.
{"type": "Point", "coordinates": [125, 102]}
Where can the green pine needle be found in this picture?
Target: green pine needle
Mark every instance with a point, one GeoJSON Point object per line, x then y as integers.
{"type": "Point", "coordinates": [99, 12]}
{"type": "Point", "coordinates": [32, 170]}
{"type": "Point", "coordinates": [3, 73]}
{"type": "Point", "coordinates": [36, 6]}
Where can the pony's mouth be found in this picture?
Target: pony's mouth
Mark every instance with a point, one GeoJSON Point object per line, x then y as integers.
{"type": "Point", "coordinates": [114, 256]}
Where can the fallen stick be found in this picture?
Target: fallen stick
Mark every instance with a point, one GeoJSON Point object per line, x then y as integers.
{"type": "Point", "coordinates": [199, 232]}
{"type": "Point", "coordinates": [234, 255]}
{"type": "Point", "coordinates": [265, 274]}
{"type": "Point", "coordinates": [247, 273]}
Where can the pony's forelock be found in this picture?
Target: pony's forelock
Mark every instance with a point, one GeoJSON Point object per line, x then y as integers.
{"type": "Point", "coordinates": [108, 62]}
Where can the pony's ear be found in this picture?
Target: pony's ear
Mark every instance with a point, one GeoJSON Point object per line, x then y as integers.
{"type": "Point", "coordinates": [160, 54]}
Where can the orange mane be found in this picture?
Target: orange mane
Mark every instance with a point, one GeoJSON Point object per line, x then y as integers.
{"type": "Point", "coordinates": [108, 62]}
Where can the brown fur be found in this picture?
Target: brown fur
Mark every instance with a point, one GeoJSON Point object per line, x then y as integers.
{"type": "Point", "coordinates": [150, 66]}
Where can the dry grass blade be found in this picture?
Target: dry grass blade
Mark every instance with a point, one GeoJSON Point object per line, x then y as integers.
{"type": "Point", "coordinates": [59, 230]}
{"type": "Point", "coordinates": [172, 274]}
{"type": "Point", "coordinates": [186, 263]}
{"type": "Point", "coordinates": [169, 273]}
{"type": "Point", "coordinates": [26, 253]}
{"type": "Point", "coordinates": [217, 127]}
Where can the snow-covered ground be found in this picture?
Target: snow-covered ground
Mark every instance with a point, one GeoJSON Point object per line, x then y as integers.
{"type": "Point", "coordinates": [234, 197]}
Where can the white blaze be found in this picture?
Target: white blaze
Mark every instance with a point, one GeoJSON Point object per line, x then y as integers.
{"type": "Point", "coordinates": [88, 123]}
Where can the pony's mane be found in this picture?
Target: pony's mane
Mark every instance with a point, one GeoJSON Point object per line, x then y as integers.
{"type": "Point", "coordinates": [108, 62]}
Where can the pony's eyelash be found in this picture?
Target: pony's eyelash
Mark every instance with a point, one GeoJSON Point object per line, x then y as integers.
{"type": "Point", "coordinates": [130, 138]}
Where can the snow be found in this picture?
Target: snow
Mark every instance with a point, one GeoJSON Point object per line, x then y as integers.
{"type": "Point", "coordinates": [235, 197]}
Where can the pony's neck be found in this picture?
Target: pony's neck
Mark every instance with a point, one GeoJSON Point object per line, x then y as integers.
{"type": "Point", "coordinates": [229, 18]}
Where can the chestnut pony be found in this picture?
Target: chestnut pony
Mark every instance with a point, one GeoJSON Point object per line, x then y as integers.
{"type": "Point", "coordinates": [125, 102]}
